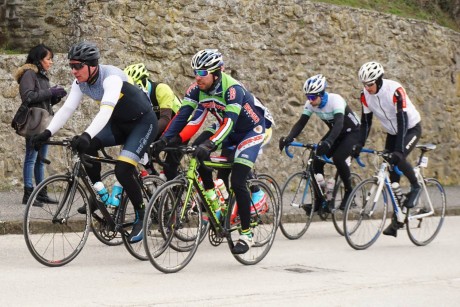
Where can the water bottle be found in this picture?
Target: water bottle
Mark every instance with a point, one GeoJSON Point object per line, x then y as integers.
{"type": "Point", "coordinates": [102, 191]}
{"type": "Point", "coordinates": [320, 179]}
{"type": "Point", "coordinates": [330, 188]}
{"type": "Point", "coordinates": [115, 197]}
{"type": "Point", "coordinates": [397, 191]}
{"type": "Point", "coordinates": [219, 183]}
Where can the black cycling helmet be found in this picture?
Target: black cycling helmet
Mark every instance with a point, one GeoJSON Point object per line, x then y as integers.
{"type": "Point", "coordinates": [86, 52]}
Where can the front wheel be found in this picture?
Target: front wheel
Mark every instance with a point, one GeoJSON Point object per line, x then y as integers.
{"type": "Point", "coordinates": [56, 233]}
{"type": "Point", "coordinates": [297, 205]}
{"type": "Point", "coordinates": [365, 214]}
{"type": "Point", "coordinates": [264, 223]}
{"type": "Point", "coordinates": [421, 228]}
{"type": "Point", "coordinates": [172, 236]}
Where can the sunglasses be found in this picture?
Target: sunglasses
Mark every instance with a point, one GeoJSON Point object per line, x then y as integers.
{"type": "Point", "coordinates": [76, 66]}
{"type": "Point", "coordinates": [368, 84]}
{"type": "Point", "coordinates": [312, 97]}
{"type": "Point", "coordinates": [201, 72]}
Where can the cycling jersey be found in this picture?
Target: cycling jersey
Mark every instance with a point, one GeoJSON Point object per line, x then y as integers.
{"type": "Point", "coordinates": [383, 105]}
{"type": "Point", "coordinates": [162, 97]}
{"type": "Point", "coordinates": [230, 103]}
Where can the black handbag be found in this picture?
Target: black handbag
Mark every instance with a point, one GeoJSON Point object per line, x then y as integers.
{"type": "Point", "coordinates": [30, 121]}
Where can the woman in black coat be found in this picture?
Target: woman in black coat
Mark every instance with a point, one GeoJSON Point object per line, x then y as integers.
{"type": "Point", "coordinates": [35, 91]}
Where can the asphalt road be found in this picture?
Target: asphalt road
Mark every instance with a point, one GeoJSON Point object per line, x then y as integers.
{"type": "Point", "coordinates": [319, 269]}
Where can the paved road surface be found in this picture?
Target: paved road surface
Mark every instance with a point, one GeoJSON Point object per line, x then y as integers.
{"type": "Point", "coordinates": [319, 269]}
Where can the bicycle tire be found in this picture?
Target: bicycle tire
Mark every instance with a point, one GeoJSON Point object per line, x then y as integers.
{"type": "Point", "coordinates": [296, 194]}
{"type": "Point", "coordinates": [57, 241]}
{"type": "Point", "coordinates": [264, 225]}
{"type": "Point", "coordinates": [149, 185]}
{"type": "Point", "coordinates": [363, 220]}
{"type": "Point", "coordinates": [339, 190]}
{"type": "Point", "coordinates": [422, 231]}
{"type": "Point", "coordinates": [171, 240]}
{"type": "Point", "coordinates": [273, 184]}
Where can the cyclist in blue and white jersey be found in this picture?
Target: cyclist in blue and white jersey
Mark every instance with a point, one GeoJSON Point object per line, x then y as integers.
{"type": "Point", "coordinates": [388, 101]}
{"type": "Point", "coordinates": [125, 118]}
{"type": "Point", "coordinates": [338, 142]}
{"type": "Point", "coordinates": [241, 123]}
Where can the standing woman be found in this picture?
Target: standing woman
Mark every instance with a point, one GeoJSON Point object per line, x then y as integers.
{"type": "Point", "coordinates": [35, 91]}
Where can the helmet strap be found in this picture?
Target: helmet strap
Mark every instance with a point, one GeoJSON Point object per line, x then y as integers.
{"type": "Point", "coordinates": [215, 85]}
{"type": "Point", "coordinates": [94, 76]}
{"type": "Point", "coordinates": [379, 83]}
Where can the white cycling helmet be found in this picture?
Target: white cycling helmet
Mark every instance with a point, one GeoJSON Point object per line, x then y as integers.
{"type": "Point", "coordinates": [370, 71]}
{"type": "Point", "coordinates": [315, 85]}
{"type": "Point", "coordinates": [209, 59]}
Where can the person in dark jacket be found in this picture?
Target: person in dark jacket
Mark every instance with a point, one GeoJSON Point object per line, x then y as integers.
{"type": "Point", "coordinates": [35, 91]}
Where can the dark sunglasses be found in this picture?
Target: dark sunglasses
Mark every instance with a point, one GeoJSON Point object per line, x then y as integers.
{"type": "Point", "coordinates": [201, 72]}
{"type": "Point", "coordinates": [368, 84]}
{"type": "Point", "coordinates": [76, 66]}
{"type": "Point", "coordinates": [312, 97]}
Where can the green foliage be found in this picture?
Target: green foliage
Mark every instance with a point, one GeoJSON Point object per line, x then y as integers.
{"type": "Point", "coordinates": [416, 9]}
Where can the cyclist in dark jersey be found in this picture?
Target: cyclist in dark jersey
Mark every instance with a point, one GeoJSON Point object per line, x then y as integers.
{"type": "Point", "coordinates": [241, 123]}
{"type": "Point", "coordinates": [125, 118]}
{"type": "Point", "coordinates": [343, 132]}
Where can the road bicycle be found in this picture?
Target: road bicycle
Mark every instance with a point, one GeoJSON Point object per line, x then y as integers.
{"type": "Point", "coordinates": [366, 209]}
{"type": "Point", "coordinates": [172, 239]}
{"type": "Point", "coordinates": [298, 196]}
{"type": "Point", "coordinates": [56, 233]}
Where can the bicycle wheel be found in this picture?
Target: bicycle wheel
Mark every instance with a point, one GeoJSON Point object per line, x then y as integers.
{"type": "Point", "coordinates": [99, 225]}
{"type": "Point", "coordinates": [339, 190]}
{"type": "Point", "coordinates": [128, 216]}
{"type": "Point", "coordinates": [172, 238]}
{"type": "Point", "coordinates": [273, 185]}
{"type": "Point", "coordinates": [263, 225]}
{"type": "Point", "coordinates": [297, 195]}
{"type": "Point", "coordinates": [422, 230]}
{"type": "Point", "coordinates": [56, 233]}
{"type": "Point", "coordinates": [363, 218]}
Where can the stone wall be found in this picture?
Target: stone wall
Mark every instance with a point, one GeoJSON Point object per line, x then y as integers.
{"type": "Point", "coordinates": [271, 46]}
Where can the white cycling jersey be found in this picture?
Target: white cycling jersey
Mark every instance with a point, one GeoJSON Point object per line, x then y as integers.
{"type": "Point", "coordinates": [383, 106]}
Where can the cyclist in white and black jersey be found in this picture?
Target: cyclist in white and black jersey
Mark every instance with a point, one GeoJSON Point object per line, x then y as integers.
{"type": "Point", "coordinates": [388, 101]}
{"type": "Point", "coordinates": [343, 132]}
{"type": "Point", "coordinates": [125, 118]}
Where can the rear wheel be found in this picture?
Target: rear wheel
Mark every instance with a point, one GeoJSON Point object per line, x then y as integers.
{"type": "Point", "coordinates": [264, 223]}
{"type": "Point", "coordinates": [364, 217]}
{"type": "Point", "coordinates": [297, 196]}
{"type": "Point", "coordinates": [56, 233]}
{"type": "Point", "coordinates": [422, 230]}
{"type": "Point", "coordinates": [339, 191]}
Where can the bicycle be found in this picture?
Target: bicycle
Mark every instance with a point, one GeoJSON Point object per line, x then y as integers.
{"type": "Point", "coordinates": [298, 196]}
{"type": "Point", "coordinates": [56, 233]}
{"type": "Point", "coordinates": [171, 241]}
{"type": "Point", "coordinates": [366, 209]}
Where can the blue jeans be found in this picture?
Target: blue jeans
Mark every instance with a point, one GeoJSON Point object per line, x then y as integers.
{"type": "Point", "coordinates": [32, 166]}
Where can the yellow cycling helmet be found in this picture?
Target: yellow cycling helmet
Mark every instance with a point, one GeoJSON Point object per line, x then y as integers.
{"type": "Point", "coordinates": [137, 72]}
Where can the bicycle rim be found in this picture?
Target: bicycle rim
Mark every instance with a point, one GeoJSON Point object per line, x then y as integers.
{"type": "Point", "coordinates": [273, 185]}
{"type": "Point", "coordinates": [263, 225]}
{"type": "Point", "coordinates": [339, 190]}
{"type": "Point", "coordinates": [363, 219]}
{"type": "Point", "coordinates": [296, 195]}
{"type": "Point", "coordinates": [423, 230]}
{"type": "Point", "coordinates": [53, 236]}
{"type": "Point", "coordinates": [172, 238]}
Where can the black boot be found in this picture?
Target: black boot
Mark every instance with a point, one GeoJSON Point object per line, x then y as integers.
{"type": "Point", "coordinates": [44, 197]}
{"type": "Point", "coordinates": [25, 198]}
{"type": "Point", "coordinates": [392, 229]}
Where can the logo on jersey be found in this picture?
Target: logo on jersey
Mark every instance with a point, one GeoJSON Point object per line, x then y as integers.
{"type": "Point", "coordinates": [251, 113]}
{"type": "Point", "coordinates": [251, 142]}
{"type": "Point", "coordinates": [231, 93]}
{"type": "Point", "coordinates": [212, 105]}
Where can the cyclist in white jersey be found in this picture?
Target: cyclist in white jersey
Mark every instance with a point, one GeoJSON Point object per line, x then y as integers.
{"type": "Point", "coordinates": [388, 101]}
{"type": "Point", "coordinates": [338, 142]}
{"type": "Point", "coordinates": [125, 118]}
